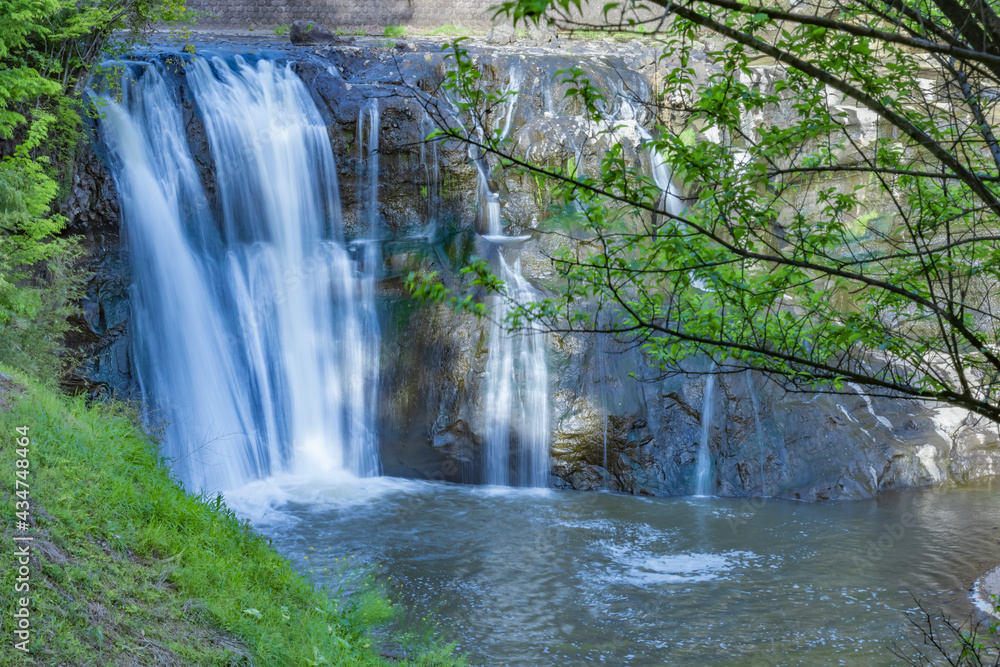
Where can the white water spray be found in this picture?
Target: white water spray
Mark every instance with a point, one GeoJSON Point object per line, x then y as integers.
{"type": "Point", "coordinates": [516, 373]}
{"type": "Point", "coordinates": [247, 325]}
{"type": "Point", "coordinates": [516, 392]}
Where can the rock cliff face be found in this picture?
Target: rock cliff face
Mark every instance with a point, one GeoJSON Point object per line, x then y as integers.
{"type": "Point", "coordinates": [608, 430]}
{"type": "Point", "coordinates": [101, 328]}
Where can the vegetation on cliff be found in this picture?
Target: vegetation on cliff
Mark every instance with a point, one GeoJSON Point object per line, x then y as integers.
{"type": "Point", "coordinates": [47, 50]}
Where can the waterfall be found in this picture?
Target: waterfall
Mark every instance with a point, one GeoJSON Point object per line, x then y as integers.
{"type": "Point", "coordinates": [671, 203]}
{"type": "Point", "coordinates": [368, 118]}
{"type": "Point", "coordinates": [370, 270]}
{"type": "Point", "coordinates": [510, 94]}
{"type": "Point", "coordinates": [758, 431]}
{"type": "Point", "coordinates": [516, 372]}
{"type": "Point", "coordinates": [704, 480]}
{"type": "Point", "coordinates": [248, 324]}
{"type": "Point", "coordinates": [516, 392]}
{"type": "Point", "coordinates": [489, 200]}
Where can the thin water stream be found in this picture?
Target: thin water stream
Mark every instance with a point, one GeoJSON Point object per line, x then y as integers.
{"type": "Point", "coordinates": [704, 479]}
{"type": "Point", "coordinates": [536, 577]}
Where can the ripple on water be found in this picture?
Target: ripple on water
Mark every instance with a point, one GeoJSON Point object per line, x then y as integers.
{"type": "Point", "coordinates": [647, 568]}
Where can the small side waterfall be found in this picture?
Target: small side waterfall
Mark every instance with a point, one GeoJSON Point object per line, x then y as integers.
{"type": "Point", "coordinates": [704, 480]}
{"type": "Point", "coordinates": [368, 125]}
{"type": "Point", "coordinates": [370, 254]}
{"type": "Point", "coordinates": [670, 201]}
{"type": "Point", "coordinates": [516, 393]}
{"type": "Point", "coordinates": [671, 204]}
{"type": "Point", "coordinates": [510, 92]}
{"type": "Point", "coordinates": [516, 373]}
{"type": "Point", "coordinates": [489, 201]}
{"type": "Point", "coordinates": [251, 328]}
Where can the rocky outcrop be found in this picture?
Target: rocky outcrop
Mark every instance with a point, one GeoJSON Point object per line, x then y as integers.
{"type": "Point", "coordinates": [303, 33]}
{"type": "Point", "coordinates": [501, 34]}
{"type": "Point", "coordinates": [608, 430]}
{"type": "Point", "coordinates": [100, 329]}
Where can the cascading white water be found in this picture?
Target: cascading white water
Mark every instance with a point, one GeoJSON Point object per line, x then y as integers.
{"type": "Point", "coordinates": [630, 114]}
{"type": "Point", "coordinates": [516, 391]}
{"type": "Point", "coordinates": [371, 265]}
{"type": "Point", "coordinates": [510, 94]}
{"type": "Point", "coordinates": [248, 330]}
{"type": "Point", "coordinates": [491, 202]}
{"type": "Point", "coordinates": [670, 201]}
{"type": "Point", "coordinates": [368, 125]}
{"type": "Point", "coordinates": [516, 371]}
{"type": "Point", "coordinates": [704, 484]}
{"type": "Point", "coordinates": [672, 204]}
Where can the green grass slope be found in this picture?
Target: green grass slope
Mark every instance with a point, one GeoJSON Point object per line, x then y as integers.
{"type": "Point", "coordinates": [126, 568]}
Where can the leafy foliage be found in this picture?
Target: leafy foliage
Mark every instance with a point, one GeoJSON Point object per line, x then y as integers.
{"type": "Point", "coordinates": [47, 48]}
{"type": "Point", "coordinates": [841, 212]}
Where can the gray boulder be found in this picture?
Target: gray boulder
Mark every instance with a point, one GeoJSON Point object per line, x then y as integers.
{"type": "Point", "coordinates": [304, 33]}
{"type": "Point", "coordinates": [501, 34]}
{"type": "Point", "coordinates": [539, 36]}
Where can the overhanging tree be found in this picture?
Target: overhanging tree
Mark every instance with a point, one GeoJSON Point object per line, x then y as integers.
{"type": "Point", "coordinates": [811, 252]}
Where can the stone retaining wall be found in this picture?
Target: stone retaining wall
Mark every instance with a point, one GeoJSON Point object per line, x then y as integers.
{"type": "Point", "coordinates": [341, 13]}
{"type": "Point", "coordinates": [336, 14]}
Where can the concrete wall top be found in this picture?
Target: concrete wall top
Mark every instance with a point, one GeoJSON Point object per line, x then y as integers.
{"type": "Point", "coordinates": [342, 13]}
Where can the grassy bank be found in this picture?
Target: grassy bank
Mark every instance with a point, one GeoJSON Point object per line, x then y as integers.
{"type": "Point", "coordinates": [125, 568]}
